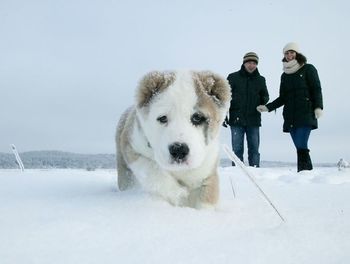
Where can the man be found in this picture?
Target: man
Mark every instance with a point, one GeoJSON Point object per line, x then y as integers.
{"type": "Point", "coordinates": [248, 90]}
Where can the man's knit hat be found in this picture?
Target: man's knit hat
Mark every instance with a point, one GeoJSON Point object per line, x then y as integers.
{"type": "Point", "coordinates": [251, 56]}
{"type": "Point", "coordinates": [291, 46]}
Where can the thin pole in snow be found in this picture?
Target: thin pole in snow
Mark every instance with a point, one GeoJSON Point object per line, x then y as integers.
{"type": "Point", "coordinates": [236, 160]}
{"type": "Point", "coordinates": [233, 190]}
{"type": "Point", "coordinates": [18, 158]}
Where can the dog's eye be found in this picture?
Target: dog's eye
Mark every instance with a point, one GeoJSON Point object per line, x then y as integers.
{"type": "Point", "coordinates": [198, 119]}
{"type": "Point", "coordinates": [162, 119]}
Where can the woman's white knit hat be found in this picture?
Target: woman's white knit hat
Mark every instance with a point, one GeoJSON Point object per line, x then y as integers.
{"type": "Point", "coordinates": [291, 46]}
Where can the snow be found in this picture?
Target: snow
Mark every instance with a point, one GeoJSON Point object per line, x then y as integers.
{"type": "Point", "coordinates": [78, 216]}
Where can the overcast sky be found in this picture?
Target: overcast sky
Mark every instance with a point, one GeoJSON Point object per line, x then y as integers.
{"type": "Point", "coordinates": [68, 69]}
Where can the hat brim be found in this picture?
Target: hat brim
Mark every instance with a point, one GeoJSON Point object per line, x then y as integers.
{"type": "Point", "coordinates": [248, 60]}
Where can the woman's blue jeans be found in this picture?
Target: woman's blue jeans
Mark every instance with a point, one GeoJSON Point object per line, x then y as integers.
{"type": "Point", "coordinates": [300, 136]}
{"type": "Point", "coordinates": [253, 142]}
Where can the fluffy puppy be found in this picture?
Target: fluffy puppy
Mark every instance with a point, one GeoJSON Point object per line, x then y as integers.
{"type": "Point", "coordinates": [168, 142]}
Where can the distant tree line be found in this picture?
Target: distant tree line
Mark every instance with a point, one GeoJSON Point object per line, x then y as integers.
{"type": "Point", "coordinates": [58, 159]}
{"type": "Point", "coordinates": [68, 160]}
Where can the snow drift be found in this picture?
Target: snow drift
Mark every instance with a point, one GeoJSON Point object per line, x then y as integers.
{"type": "Point", "coordinates": [78, 216]}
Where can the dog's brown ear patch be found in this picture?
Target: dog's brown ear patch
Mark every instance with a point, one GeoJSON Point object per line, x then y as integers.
{"type": "Point", "coordinates": [152, 84]}
{"type": "Point", "coordinates": [213, 85]}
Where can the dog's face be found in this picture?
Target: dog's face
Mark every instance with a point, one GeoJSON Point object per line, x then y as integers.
{"type": "Point", "coordinates": [180, 114]}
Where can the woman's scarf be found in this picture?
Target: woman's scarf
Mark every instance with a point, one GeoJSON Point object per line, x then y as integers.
{"type": "Point", "coordinates": [292, 66]}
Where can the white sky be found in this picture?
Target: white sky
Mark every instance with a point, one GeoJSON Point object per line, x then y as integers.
{"type": "Point", "coordinates": [69, 68]}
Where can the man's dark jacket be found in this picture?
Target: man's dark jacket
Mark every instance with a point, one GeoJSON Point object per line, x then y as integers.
{"type": "Point", "coordinates": [301, 94]}
{"type": "Point", "coordinates": [248, 91]}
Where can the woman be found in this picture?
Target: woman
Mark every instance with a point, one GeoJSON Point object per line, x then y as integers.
{"type": "Point", "coordinates": [300, 94]}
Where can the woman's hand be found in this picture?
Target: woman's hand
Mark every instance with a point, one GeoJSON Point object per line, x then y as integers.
{"type": "Point", "coordinates": [318, 112]}
{"type": "Point", "coordinates": [262, 108]}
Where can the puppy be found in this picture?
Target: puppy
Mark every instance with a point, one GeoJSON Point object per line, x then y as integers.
{"type": "Point", "coordinates": [168, 142]}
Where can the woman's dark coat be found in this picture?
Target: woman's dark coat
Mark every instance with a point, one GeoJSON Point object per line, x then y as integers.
{"type": "Point", "coordinates": [248, 91]}
{"type": "Point", "coordinates": [301, 94]}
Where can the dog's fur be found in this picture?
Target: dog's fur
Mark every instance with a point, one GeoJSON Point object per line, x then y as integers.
{"type": "Point", "coordinates": [168, 141]}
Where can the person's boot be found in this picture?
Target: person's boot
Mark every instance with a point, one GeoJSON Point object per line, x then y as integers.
{"type": "Point", "coordinates": [308, 162]}
{"type": "Point", "coordinates": [304, 160]}
{"type": "Point", "coordinates": [299, 162]}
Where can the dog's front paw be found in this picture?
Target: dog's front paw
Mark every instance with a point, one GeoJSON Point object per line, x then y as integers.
{"type": "Point", "coordinates": [179, 197]}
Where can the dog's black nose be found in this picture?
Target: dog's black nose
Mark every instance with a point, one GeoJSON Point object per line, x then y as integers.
{"type": "Point", "coordinates": [178, 151]}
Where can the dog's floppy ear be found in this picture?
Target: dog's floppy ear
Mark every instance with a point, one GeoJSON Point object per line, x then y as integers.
{"type": "Point", "coordinates": [215, 86]}
{"type": "Point", "coordinates": [152, 84]}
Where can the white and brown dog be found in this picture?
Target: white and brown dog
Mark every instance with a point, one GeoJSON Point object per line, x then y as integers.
{"type": "Point", "coordinates": [169, 141]}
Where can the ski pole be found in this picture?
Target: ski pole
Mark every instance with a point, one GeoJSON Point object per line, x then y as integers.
{"type": "Point", "coordinates": [232, 156]}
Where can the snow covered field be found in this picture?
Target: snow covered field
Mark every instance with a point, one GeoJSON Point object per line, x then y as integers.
{"type": "Point", "coordinates": [77, 216]}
